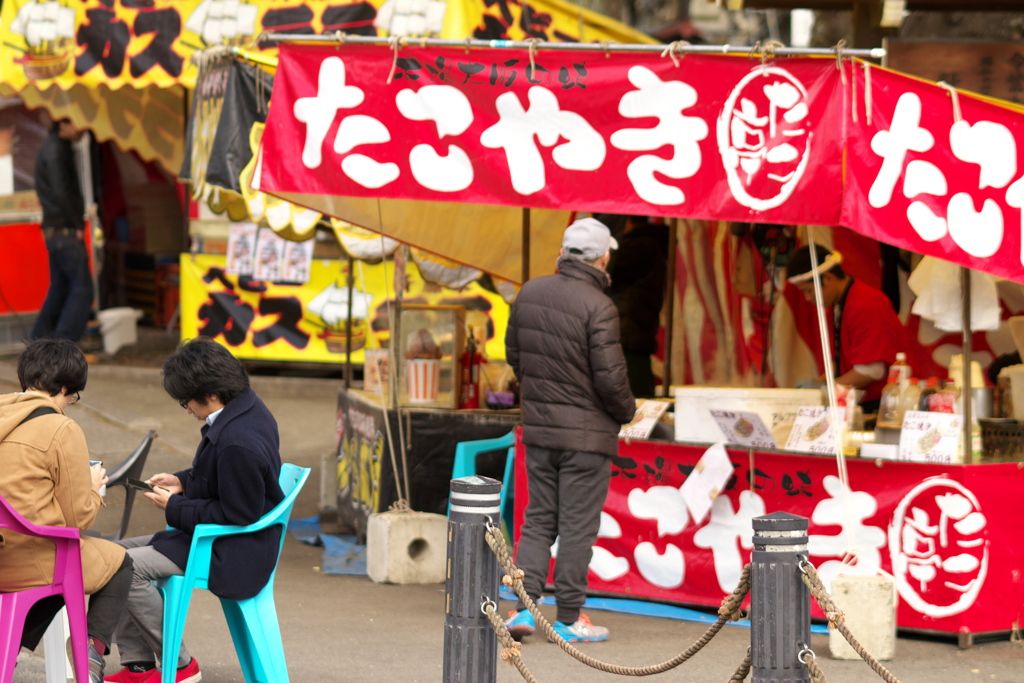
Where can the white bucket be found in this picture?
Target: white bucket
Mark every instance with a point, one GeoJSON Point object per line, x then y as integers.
{"type": "Point", "coordinates": [424, 379]}
{"type": "Point", "coordinates": [119, 327]}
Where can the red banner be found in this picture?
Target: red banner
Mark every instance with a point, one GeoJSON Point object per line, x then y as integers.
{"type": "Point", "coordinates": [793, 141]}
{"type": "Point", "coordinates": [935, 172]}
{"type": "Point", "coordinates": [946, 533]}
{"type": "Point", "coordinates": [714, 137]}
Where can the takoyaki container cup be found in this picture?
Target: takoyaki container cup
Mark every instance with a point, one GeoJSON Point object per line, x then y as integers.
{"type": "Point", "coordinates": [424, 377]}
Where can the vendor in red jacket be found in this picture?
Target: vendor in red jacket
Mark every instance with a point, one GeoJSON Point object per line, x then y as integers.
{"type": "Point", "coordinates": [867, 334]}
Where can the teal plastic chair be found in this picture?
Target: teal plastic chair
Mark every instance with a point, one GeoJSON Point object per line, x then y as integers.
{"type": "Point", "coordinates": [465, 462]}
{"type": "Point", "coordinates": [253, 622]}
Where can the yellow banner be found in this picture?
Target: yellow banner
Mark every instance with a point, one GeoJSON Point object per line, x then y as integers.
{"type": "Point", "coordinates": [269, 321]}
{"type": "Point", "coordinates": [150, 42]}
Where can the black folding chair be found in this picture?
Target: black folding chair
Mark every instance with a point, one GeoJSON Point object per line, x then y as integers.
{"type": "Point", "coordinates": [130, 467]}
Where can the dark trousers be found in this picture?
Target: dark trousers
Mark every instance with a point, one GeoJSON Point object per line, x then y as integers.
{"type": "Point", "coordinates": [640, 374]}
{"type": "Point", "coordinates": [567, 490]}
{"type": "Point", "coordinates": [68, 301]}
{"type": "Point", "coordinates": [105, 609]}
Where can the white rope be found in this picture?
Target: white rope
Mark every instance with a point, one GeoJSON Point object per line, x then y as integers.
{"type": "Point", "coordinates": [957, 114]}
{"type": "Point", "coordinates": [867, 91]}
{"type": "Point", "coordinates": [830, 381]}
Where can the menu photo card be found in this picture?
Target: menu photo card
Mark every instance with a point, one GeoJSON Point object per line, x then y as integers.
{"type": "Point", "coordinates": [931, 437]}
{"type": "Point", "coordinates": [648, 412]}
{"type": "Point", "coordinates": [812, 431]}
{"type": "Point", "coordinates": [744, 429]}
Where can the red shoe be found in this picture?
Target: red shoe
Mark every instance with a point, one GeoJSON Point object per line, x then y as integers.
{"type": "Point", "coordinates": [126, 676]}
{"type": "Point", "coordinates": [186, 674]}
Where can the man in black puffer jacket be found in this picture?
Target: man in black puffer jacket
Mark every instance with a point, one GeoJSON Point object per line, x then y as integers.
{"type": "Point", "coordinates": [563, 343]}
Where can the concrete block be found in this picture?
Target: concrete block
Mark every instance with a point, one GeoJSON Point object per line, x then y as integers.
{"type": "Point", "coordinates": [406, 547]}
{"type": "Point", "coordinates": [869, 603]}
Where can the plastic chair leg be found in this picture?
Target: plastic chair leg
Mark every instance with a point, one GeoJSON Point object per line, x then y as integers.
{"type": "Point", "coordinates": [257, 636]}
{"type": "Point", "coordinates": [11, 625]}
{"type": "Point", "coordinates": [79, 636]}
{"type": "Point", "coordinates": [177, 598]}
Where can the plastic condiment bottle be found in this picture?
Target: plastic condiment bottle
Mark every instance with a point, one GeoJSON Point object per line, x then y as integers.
{"type": "Point", "coordinates": [890, 410]}
{"type": "Point", "coordinates": [904, 370]}
{"type": "Point", "coordinates": [930, 387]}
{"type": "Point", "coordinates": [944, 401]}
{"type": "Point", "coordinates": [910, 398]}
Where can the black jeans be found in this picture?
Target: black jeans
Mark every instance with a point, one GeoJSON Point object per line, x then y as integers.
{"type": "Point", "coordinates": [105, 609]}
{"type": "Point", "coordinates": [567, 491]}
{"type": "Point", "coordinates": [68, 303]}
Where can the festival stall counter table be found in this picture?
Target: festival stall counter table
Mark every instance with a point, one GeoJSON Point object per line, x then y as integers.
{"type": "Point", "coordinates": [365, 474]}
{"type": "Point", "coordinates": [947, 533]}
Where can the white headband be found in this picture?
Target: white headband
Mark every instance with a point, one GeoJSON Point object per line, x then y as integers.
{"type": "Point", "coordinates": [832, 260]}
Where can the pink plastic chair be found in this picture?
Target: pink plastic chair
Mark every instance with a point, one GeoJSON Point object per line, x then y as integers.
{"type": "Point", "coordinates": [67, 580]}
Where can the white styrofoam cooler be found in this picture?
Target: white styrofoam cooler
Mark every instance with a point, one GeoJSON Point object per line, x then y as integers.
{"type": "Point", "coordinates": [777, 407]}
{"type": "Point", "coordinates": [119, 327]}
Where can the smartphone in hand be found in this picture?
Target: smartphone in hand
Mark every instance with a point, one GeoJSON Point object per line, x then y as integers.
{"type": "Point", "coordinates": [139, 484]}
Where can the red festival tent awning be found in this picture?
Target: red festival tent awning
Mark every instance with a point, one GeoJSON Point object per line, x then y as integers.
{"type": "Point", "coordinates": [357, 128]}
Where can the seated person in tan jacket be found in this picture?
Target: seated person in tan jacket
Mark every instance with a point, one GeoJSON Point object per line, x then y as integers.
{"type": "Point", "coordinates": [47, 478]}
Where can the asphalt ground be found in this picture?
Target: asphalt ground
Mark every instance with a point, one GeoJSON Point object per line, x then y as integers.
{"type": "Point", "coordinates": [338, 628]}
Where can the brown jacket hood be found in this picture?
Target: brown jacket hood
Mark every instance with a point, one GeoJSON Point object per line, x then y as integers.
{"type": "Point", "coordinates": [14, 408]}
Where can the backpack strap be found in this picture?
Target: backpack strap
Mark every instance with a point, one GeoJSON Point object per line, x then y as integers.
{"type": "Point", "coordinates": [38, 412]}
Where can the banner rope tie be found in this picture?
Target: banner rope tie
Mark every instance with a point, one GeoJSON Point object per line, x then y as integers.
{"type": "Point", "coordinates": [254, 44]}
{"type": "Point", "coordinates": [839, 47]}
{"type": "Point", "coordinates": [853, 93]}
{"type": "Point", "coordinates": [396, 43]}
{"type": "Point", "coordinates": [729, 610]}
{"type": "Point", "coordinates": [867, 92]}
{"type": "Point", "coordinates": [466, 43]}
{"type": "Point", "coordinates": [606, 46]}
{"type": "Point", "coordinates": [534, 42]}
{"type": "Point", "coordinates": [340, 36]}
{"type": "Point", "coordinates": [674, 50]}
{"type": "Point", "coordinates": [957, 114]}
{"type": "Point", "coordinates": [768, 54]}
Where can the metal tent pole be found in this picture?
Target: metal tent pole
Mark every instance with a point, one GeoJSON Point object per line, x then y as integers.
{"type": "Point", "coordinates": [965, 286]}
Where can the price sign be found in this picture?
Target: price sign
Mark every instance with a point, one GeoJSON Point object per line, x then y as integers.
{"type": "Point", "coordinates": [744, 429]}
{"type": "Point", "coordinates": [648, 412]}
{"type": "Point", "coordinates": [812, 431]}
{"type": "Point", "coordinates": [930, 437]}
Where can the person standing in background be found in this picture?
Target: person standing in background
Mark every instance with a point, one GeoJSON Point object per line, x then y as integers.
{"type": "Point", "coordinates": [68, 303]}
{"type": "Point", "coordinates": [637, 270]}
{"type": "Point", "coordinates": [563, 343]}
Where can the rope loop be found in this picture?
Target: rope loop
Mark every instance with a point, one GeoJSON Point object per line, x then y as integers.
{"type": "Point", "coordinates": [768, 54]}
{"type": "Point", "coordinates": [673, 49]}
{"type": "Point", "coordinates": [396, 43]}
{"type": "Point", "coordinates": [488, 603]}
{"type": "Point", "coordinates": [606, 46]}
{"type": "Point", "coordinates": [957, 114]}
{"type": "Point", "coordinates": [839, 47]}
{"type": "Point", "coordinates": [340, 36]}
{"type": "Point", "coordinates": [466, 43]}
{"type": "Point", "coordinates": [534, 42]}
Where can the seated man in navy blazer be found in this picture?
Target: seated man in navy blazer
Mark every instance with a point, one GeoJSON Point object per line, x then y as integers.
{"type": "Point", "coordinates": [233, 480]}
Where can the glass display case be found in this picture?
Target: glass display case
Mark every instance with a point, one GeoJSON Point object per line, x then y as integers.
{"type": "Point", "coordinates": [432, 340]}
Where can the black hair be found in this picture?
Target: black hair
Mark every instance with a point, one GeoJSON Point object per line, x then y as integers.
{"type": "Point", "coordinates": [800, 262]}
{"type": "Point", "coordinates": [55, 126]}
{"type": "Point", "coordinates": [51, 365]}
{"type": "Point", "coordinates": [201, 368]}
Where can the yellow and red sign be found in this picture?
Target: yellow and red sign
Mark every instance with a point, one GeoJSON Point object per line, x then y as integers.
{"type": "Point", "coordinates": [261, 320]}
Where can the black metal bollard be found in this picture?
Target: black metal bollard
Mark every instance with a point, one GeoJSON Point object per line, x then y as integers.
{"type": "Point", "coordinates": [780, 604]}
{"type": "Point", "coordinates": [470, 646]}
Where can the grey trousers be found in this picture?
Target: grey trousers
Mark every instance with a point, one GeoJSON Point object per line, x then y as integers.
{"type": "Point", "coordinates": [140, 632]}
{"type": "Point", "coordinates": [567, 492]}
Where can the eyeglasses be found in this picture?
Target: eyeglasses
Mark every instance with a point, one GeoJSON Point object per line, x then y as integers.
{"type": "Point", "coordinates": [75, 399]}
{"type": "Point", "coordinates": [184, 403]}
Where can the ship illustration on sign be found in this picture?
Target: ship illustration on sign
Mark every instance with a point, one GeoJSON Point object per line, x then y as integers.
{"type": "Point", "coordinates": [49, 31]}
{"type": "Point", "coordinates": [220, 20]}
{"type": "Point", "coordinates": [329, 310]}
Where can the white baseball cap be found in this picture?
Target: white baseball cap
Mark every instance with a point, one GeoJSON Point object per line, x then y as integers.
{"type": "Point", "coordinates": [588, 239]}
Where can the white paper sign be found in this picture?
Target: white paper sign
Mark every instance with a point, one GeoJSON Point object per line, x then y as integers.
{"type": "Point", "coordinates": [298, 256]}
{"type": "Point", "coordinates": [744, 429]}
{"type": "Point", "coordinates": [269, 256]}
{"type": "Point", "coordinates": [241, 248]}
{"type": "Point", "coordinates": [812, 431]}
{"type": "Point", "coordinates": [707, 480]}
{"type": "Point", "coordinates": [648, 412]}
{"type": "Point", "coordinates": [930, 437]}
